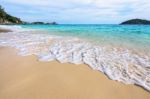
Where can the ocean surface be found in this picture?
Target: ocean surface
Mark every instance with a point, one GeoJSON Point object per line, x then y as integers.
{"type": "Point", "coordinates": [122, 52]}
{"type": "Point", "coordinates": [133, 36]}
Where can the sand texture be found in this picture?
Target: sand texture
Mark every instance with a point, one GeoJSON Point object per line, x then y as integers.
{"type": "Point", "coordinates": [27, 78]}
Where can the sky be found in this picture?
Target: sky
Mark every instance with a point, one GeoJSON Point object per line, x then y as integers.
{"type": "Point", "coordinates": [78, 11]}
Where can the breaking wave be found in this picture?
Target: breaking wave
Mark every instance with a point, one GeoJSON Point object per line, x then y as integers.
{"type": "Point", "coordinates": [118, 64]}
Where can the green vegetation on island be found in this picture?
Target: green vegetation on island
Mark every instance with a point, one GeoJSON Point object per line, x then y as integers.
{"type": "Point", "coordinates": [8, 19]}
{"type": "Point", "coordinates": [52, 23]}
{"type": "Point", "coordinates": [136, 22]}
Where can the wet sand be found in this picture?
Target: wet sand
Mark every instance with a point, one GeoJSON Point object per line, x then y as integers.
{"type": "Point", "coordinates": [27, 78]}
{"type": "Point", "coordinates": [4, 30]}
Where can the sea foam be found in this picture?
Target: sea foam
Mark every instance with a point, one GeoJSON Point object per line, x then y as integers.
{"type": "Point", "coordinates": [118, 64]}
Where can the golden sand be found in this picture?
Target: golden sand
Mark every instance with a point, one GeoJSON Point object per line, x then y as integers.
{"type": "Point", "coordinates": [27, 78]}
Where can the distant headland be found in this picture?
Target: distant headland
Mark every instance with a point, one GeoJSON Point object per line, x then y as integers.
{"type": "Point", "coordinates": [136, 22]}
{"type": "Point", "coordinates": [50, 23]}
{"type": "Point", "coordinates": [8, 19]}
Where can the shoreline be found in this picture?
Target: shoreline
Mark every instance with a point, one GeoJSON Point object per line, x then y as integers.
{"type": "Point", "coordinates": [4, 30]}
{"type": "Point", "coordinates": [25, 77]}
{"type": "Point", "coordinates": [122, 65]}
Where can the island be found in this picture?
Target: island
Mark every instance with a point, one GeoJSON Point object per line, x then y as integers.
{"type": "Point", "coordinates": [136, 22]}
{"type": "Point", "coordinates": [7, 19]}
{"type": "Point", "coordinates": [51, 23]}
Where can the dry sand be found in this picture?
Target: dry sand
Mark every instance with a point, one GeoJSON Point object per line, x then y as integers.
{"type": "Point", "coordinates": [27, 78]}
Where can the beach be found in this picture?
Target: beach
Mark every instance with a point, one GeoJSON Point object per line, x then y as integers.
{"type": "Point", "coordinates": [4, 30]}
{"type": "Point", "coordinates": [74, 49]}
{"type": "Point", "coordinates": [35, 64]}
{"type": "Point", "coordinates": [24, 77]}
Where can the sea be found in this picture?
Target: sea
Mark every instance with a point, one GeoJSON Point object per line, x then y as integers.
{"type": "Point", "coordinates": [122, 52]}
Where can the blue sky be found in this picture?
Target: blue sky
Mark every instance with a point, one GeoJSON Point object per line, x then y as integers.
{"type": "Point", "coordinates": [78, 11]}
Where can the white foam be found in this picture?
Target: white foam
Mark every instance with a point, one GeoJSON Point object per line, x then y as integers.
{"type": "Point", "coordinates": [121, 65]}
{"type": "Point", "coordinates": [16, 28]}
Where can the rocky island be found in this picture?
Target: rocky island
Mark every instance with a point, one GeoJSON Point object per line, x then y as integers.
{"type": "Point", "coordinates": [51, 23]}
{"type": "Point", "coordinates": [7, 19]}
{"type": "Point", "coordinates": [136, 22]}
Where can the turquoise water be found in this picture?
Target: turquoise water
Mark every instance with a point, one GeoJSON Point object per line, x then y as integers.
{"type": "Point", "coordinates": [132, 36]}
{"type": "Point", "coordinates": [121, 52]}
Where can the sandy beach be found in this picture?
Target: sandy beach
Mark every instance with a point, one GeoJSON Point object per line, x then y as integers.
{"type": "Point", "coordinates": [27, 78]}
{"type": "Point", "coordinates": [4, 30]}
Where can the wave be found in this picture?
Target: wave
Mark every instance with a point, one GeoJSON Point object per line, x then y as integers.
{"type": "Point", "coordinates": [118, 64]}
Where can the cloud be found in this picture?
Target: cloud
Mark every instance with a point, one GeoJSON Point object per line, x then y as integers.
{"type": "Point", "coordinates": [78, 11]}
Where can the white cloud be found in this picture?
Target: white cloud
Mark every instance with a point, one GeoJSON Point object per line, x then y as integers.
{"type": "Point", "coordinates": [87, 10]}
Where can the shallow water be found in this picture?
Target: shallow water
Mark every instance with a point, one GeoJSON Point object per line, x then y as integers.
{"type": "Point", "coordinates": [121, 52]}
{"type": "Point", "coordinates": [132, 36]}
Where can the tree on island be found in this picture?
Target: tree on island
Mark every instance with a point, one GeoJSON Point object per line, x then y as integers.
{"type": "Point", "coordinates": [2, 14]}
{"type": "Point", "coordinates": [136, 22]}
{"type": "Point", "coordinates": [8, 19]}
